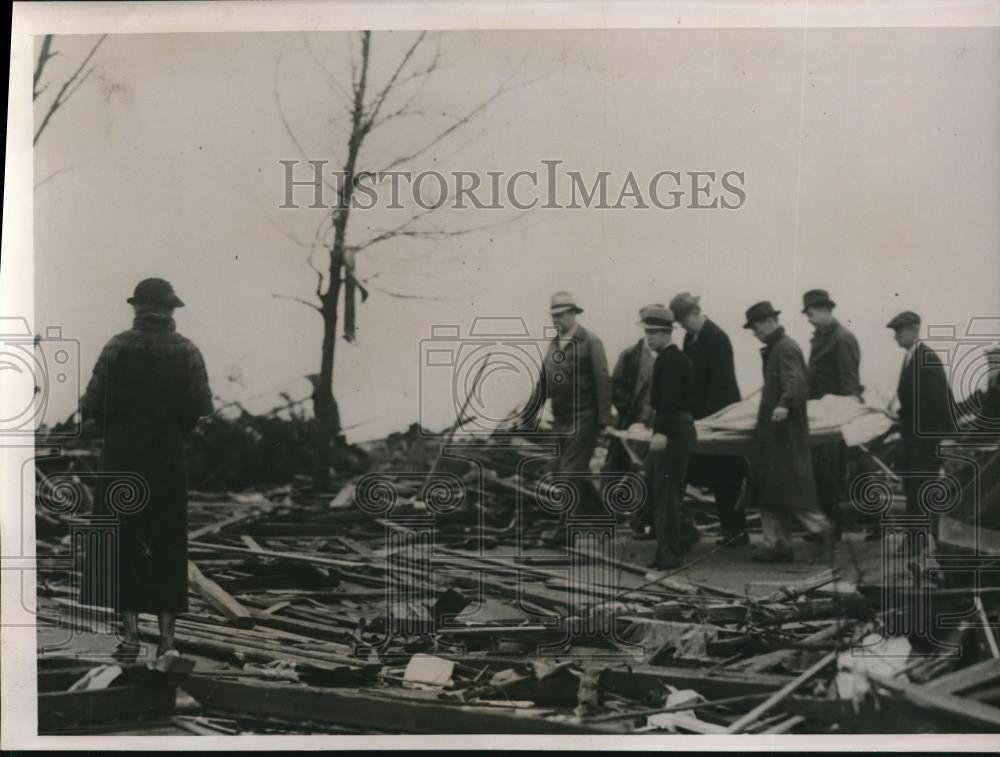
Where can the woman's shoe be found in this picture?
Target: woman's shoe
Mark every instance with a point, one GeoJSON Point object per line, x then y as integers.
{"type": "Point", "coordinates": [127, 652]}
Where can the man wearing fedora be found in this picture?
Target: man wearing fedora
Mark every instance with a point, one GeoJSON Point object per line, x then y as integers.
{"type": "Point", "coordinates": [834, 368]}
{"type": "Point", "coordinates": [574, 378]}
{"type": "Point", "coordinates": [631, 382]}
{"type": "Point", "coordinates": [781, 477]}
{"type": "Point", "coordinates": [674, 436]}
{"type": "Point", "coordinates": [924, 408]}
{"type": "Point", "coordinates": [148, 389]}
{"type": "Point", "coordinates": [711, 354]}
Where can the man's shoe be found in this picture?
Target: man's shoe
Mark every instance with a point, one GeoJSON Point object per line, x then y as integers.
{"type": "Point", "coordinates": [822, 537]}
{"type": "Point", "coordinates": [742, 539]}
{"type": "Point", "coordinates": [774, 555]}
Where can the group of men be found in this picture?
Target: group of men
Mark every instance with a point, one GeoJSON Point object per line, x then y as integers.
{"type": "Point", "coordinates": [668, 386]}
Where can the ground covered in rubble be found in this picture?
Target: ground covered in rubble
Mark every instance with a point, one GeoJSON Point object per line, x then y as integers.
{"type": "Point", "coordinates": [410, 609]}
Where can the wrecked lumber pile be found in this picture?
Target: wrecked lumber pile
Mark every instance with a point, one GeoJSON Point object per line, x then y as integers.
{"type": "Point", "coordinates": [407, 603]}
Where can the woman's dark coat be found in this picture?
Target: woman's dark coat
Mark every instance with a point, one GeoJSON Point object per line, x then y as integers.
{"type": "Point", "coordinates": [148, 389]}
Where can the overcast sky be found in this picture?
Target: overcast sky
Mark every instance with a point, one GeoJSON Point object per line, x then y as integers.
{"type": "Point", "coordinates": [870, 157]}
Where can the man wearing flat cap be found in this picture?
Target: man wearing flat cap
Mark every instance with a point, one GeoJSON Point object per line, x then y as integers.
{"type": "Point", "coordinates": [781, 477]}
{"type": "Point", "coordinates": [982, 407]}
{"type": "Point", "coordinates": [834, 368]}
{"type": "Point", "coordinates": [148, 389]}
{"type": "Point", "coordinates": [711, 354]}
{"type": "Point", "coordinates": [574, 378]}
{"type": "Point", "coordinates": [924, 407]}
{"type": "Point", "coordinates": [674, 435]}
{"type": "Point", "coordinates": [631, 382]}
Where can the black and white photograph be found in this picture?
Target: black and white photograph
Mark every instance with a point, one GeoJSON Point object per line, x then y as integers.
{"type": "Point", "coordinates": [383, 379]}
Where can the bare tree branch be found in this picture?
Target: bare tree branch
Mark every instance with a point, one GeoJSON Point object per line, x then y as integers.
{"type": "Point", "coordinates": [55, 173]}
{"type": "Point", "coordinates": [299, 300]}
{"type": "Point", "coordinates": [43, 57]}
{"type": "Point", "coordinates": [404, 296]}
{"type": "Point", "coordinates": [67, 90]}
{"type": "Point", "coordinates": [332, 82]}
{"type": "Point", "coordinates": [458, 122]}
{"type": "Point", "coordinates": [379, 100]}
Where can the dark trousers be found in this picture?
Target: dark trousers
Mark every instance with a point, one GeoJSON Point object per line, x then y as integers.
{"type": "Point", "coordinates": [830, 475]}
{"type": "Point", "coordinates": [920, 463]}
{"type": "Point", "coordinates": [620, 461]}
{"type": "Point", "coordinates": [723, 475]}
{"type": "Point", "coordinates": [668, 477]}
{"type": "Point", "coordinates": [576, 449]}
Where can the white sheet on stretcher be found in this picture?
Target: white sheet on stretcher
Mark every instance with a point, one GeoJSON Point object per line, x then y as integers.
{"type": "Point", "coordinates": [857, 422]}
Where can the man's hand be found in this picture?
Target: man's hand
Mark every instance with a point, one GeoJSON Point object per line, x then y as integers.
{"type": "Point", "coordinates": [658, 443]}
{"type": "Point", "coordinates": [779, 415]}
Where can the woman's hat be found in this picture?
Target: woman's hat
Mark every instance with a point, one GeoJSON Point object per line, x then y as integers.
{"type": "Point", "coordinates": [155, 292]}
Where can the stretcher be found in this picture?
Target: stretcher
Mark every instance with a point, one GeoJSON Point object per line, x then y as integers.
{"type": "Point", "coordinates": [731, 431]}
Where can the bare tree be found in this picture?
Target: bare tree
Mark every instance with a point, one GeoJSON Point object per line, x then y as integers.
{"type": "Point", "coordinates": [68, 88]}
{"type": "Point", "coordinates": [366, 108]}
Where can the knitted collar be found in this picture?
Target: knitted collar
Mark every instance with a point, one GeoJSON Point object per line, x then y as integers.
{"type": "Point", "coordinates": [154, 322]}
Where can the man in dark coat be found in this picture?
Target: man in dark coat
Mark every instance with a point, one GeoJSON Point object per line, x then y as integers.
{"type": "Point", "coordinates": [674, 436]}
{"type": "Point", "coordinates": [981, 408]}
{"type": "Point", "coordinates": [630, 392]}
{"type": "Point", "coordinates": [711, 353]}
{"type": "Point", "coordinates": [924, 408]}
{"type": "Point", "coordinates": [574, 378]}
{"type": "Point", "coordinates": [781, 477]}
{"type": "Point", "coordinates": [149, 388]}
{"type": "Point", "coordinates": [834, 368]}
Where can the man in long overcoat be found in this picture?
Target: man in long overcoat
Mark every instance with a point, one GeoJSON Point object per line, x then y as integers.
{"type": "Point", "coordinates": [781, 476]}
{"type": "Point", "coordinates": [834, 368]}
{"type": "Point", "coordinates": [149, 388]}
{"type": "Point", "coordinates": [711, 353]}
{"type": "Point", "coordinates": [924, 408]}
{"type": "Point", "coordinates": [574, 379]}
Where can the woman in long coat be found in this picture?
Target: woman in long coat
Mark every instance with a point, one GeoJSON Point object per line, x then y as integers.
{"type": "Point", "coordinates": [781, 479]}
{"type": "Point", "coordinates": [148, 389]}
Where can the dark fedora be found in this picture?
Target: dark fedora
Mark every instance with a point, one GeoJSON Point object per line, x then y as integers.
{"type": "Point", "coordinates": [683, 304]}
{"type": "Point", "coordinates": [817, 298]}
{"type": "Point", "coordinates": [155, 292]}
{"type": "Point", "coordinates": [759, 312]}
{"type": "Point", "coordinates": [906, 318]}
{"type": "Point", "coordinates": [657, 317]}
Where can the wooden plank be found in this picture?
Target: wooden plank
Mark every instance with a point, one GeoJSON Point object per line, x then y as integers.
{"type": "Point", "coordinates": [367, 710]}
{"type": "Point", "coordinates": [947, 706]}
{"type": "Point", "coordinates": [779, 696]}
{"type": "Point", "coordinates": [59, 710]}
{"type": "Point", "coordinates": [637, 681]}
{"type": "Point", "coordinates": [967, 538]}
{"type": "Point", "coordinates": [957, 681]}
{"type": "Point", "coordinates": [218, 597]}
{"type": "Point", "coordinates": [214, 528]}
